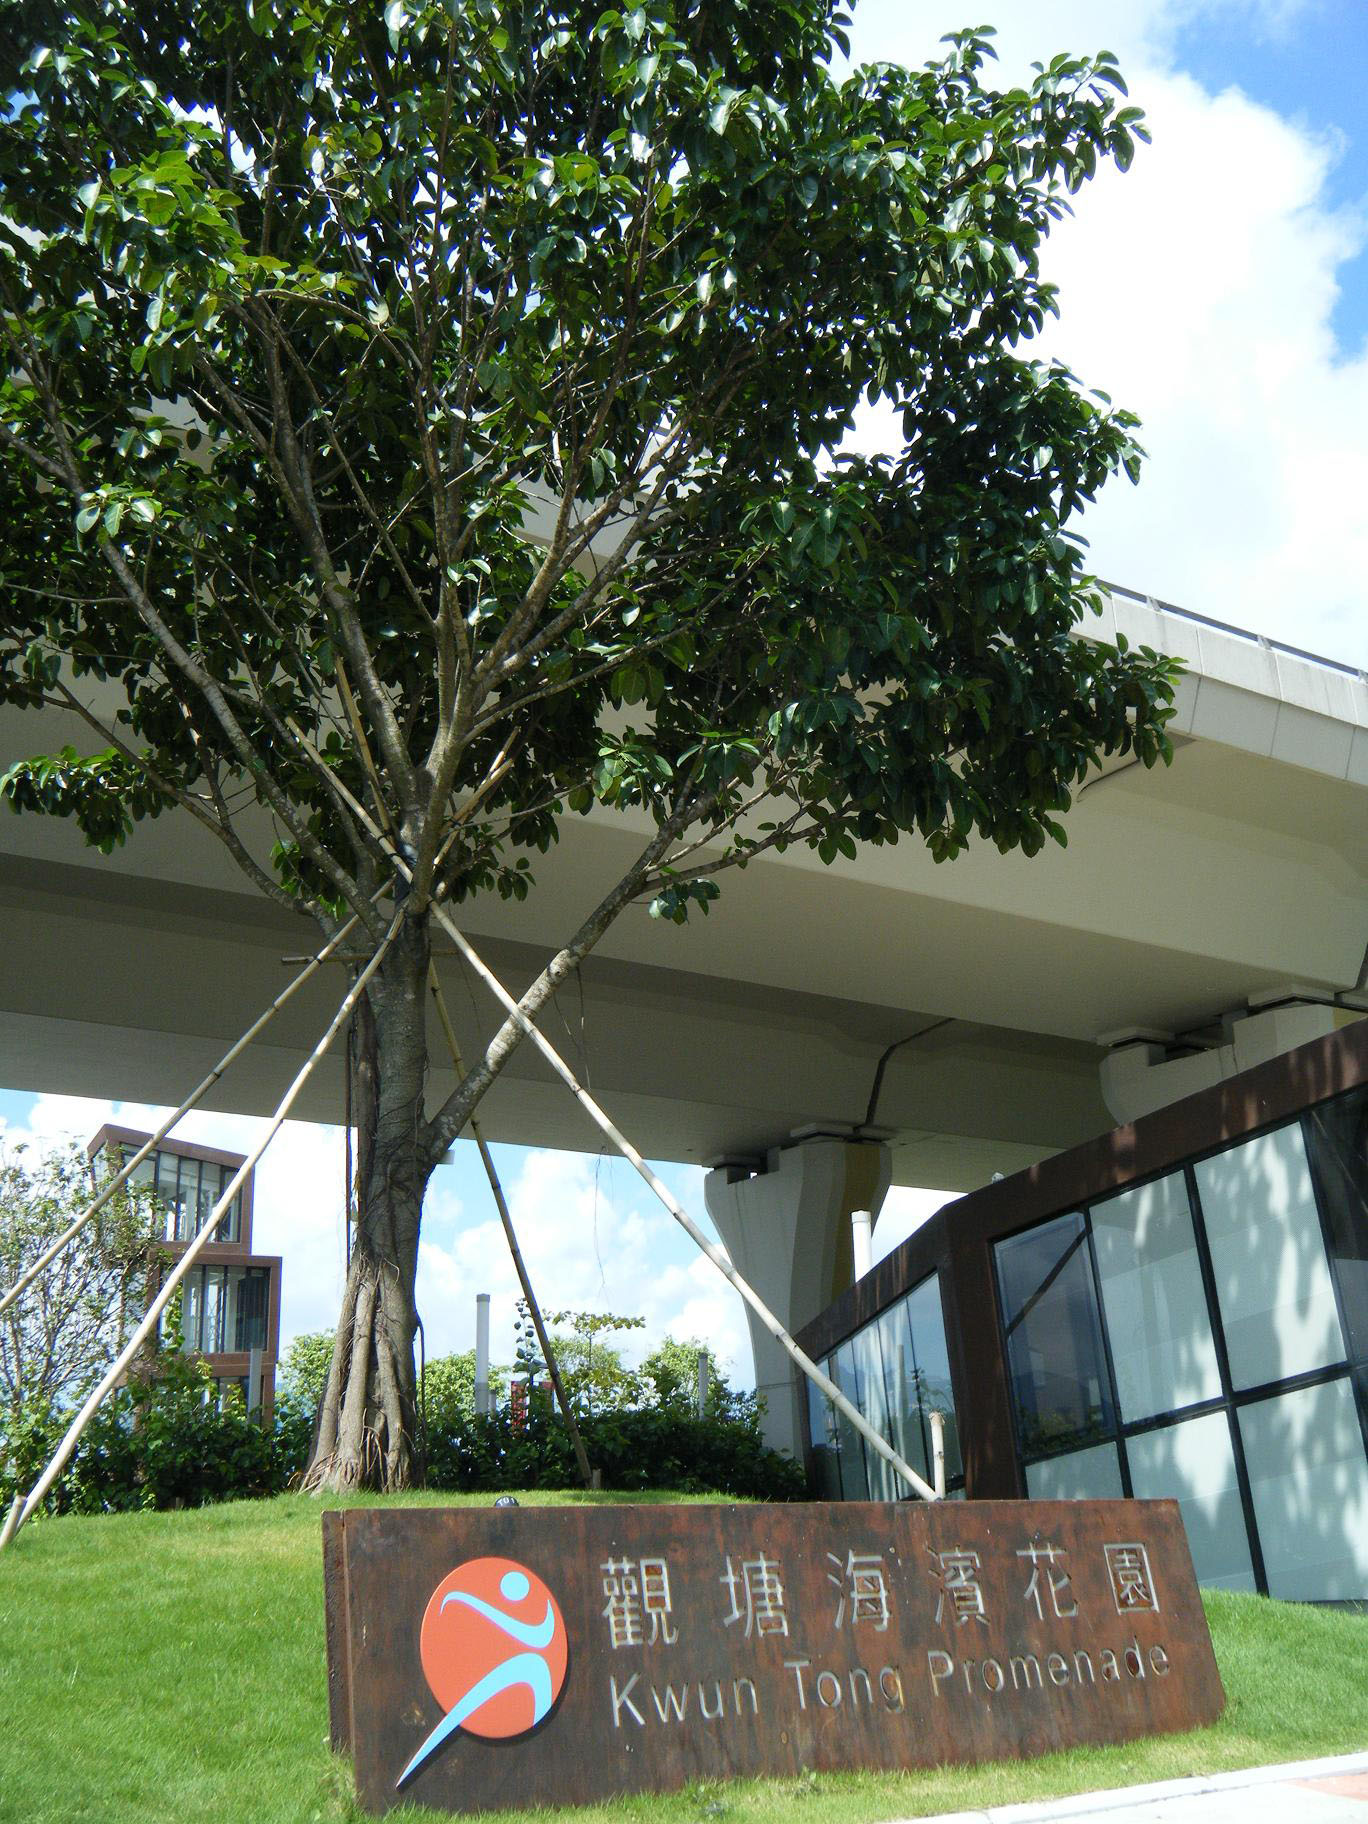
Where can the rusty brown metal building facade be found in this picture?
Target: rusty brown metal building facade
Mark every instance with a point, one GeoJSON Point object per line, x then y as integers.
{"type": "Point", "coordinates": [1177, 1308]}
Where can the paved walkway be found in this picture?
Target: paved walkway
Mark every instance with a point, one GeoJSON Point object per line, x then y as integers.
{"type": "Point", "coordinates": [1305, 1792]}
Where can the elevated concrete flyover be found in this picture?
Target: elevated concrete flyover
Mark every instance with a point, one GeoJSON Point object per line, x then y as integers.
{"type": "Point", "coordinates": [1237, 876]}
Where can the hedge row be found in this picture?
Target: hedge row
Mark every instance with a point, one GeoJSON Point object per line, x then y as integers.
{"type": "Point", "coordinates": [165, 1444]}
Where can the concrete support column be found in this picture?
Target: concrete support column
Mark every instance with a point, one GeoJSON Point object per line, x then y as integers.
{"type": "Point", "coordinates": [786, 1226]}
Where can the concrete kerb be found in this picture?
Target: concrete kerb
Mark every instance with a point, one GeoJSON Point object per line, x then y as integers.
{"type": "Point", "coordinates": [1120, 1799]}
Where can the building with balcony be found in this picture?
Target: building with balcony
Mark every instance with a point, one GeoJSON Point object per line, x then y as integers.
{"type": "Point", "coordinates": [230, 1304]}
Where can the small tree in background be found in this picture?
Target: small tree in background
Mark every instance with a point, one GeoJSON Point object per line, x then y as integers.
{"type": "Point", "coordinates": [304, 1370]}
{"type": "Point", "coordinates": [671, 1371]}
{"type": "Point", "coordinates": [447, 1382]}
{"type": "Point", "coordinates": [309, 311]}
{"type": "Point", "coordinates": [447, 1389]}
{"type": "Point", "coordinates": [595, 1377]}
{"type": "Point", "coordinates": [62, 1333]}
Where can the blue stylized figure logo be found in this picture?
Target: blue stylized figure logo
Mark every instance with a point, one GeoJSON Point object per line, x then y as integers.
{"type": "Point", "coordinates": [494, 1651]}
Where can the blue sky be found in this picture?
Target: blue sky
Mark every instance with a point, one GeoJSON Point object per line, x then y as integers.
{"type": "Point", "coordinates": [1311, 66]}
{"type": "Point", "coordinates": [590, 1231]}
{"type": "Point", "coordinates": [1221, 290]}
{"type": "Point", "coordinates": [1304, 60]}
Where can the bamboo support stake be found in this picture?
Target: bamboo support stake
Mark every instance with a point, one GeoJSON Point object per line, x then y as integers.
{"type": "Point", "coordinates": [715, 1254]}
{"type": "Point", "coordinates": [501, 1203]}
{"type": "Point", "coordinates": [68, 1444]}
{"type": "Point", "coordinates": [823, 1382]}
{"type": "Point", "coordinates": [46, 1258]}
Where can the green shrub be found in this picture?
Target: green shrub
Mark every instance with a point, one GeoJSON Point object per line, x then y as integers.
{"type": "Point", "coordinates": [166, 1443]}
{"type": "Point", "coordinates": [163, 1442]}
{"type": "Point", "coordinates": [28, 1436]}
{"type": "Point", "coordinates": [651, 1447]}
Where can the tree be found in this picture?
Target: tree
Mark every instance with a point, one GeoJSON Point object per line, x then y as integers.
{"type": "Point", "coordinates": [303, 1378]}
{"type": "Point", "coordinates": [671, 1370]}
{"type": "Point", "coordinates": [62, 1332]}
{"type": "Point", "coordinates": [422, 431]}
{"type": "Point", "coordinates": [595, 1377]}
{"type": "Point", "coordinates": [447, 1389]}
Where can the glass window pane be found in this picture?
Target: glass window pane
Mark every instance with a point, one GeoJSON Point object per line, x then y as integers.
{"type": "Point", "coordinates": [1309, 1479]}
{"type": "Point", "coordinates": [1054, 1339]}
{"type": "Point", "coordinates": [207, 1197]}
{"type": "Point", "coordinates": [826, 1448]}
{"type": "Point", "coordinates": [213, 1310]}
{"type": "Point", "coordinates": [165, 1183]}
{"type": "Point", "coordinates": [192, 1308]}
{"type": "Point", "coordinates": [1157, 1320]}
{"type": "Point", "coordinates": [903, 1385]}
{"type": "Point", "coordinates": [1277, 1302]}
{"type": "Point", "coordinates": [232, 1306]}
{"type": "Point", "coordinates": [1195, 1464]}
{"type": "Point", "coordinates": [927, 1321]}
{"type": "Point", "coordinates": [1338, 1135]}
{"type": "Point", "coordinates": [230, 1229]}
{"type": "Point", "coordinates": [872, 1400]}
{"type": "Point", "coordinates": [214, 1183]}
{"type": "Point", "coordinates": [180, 1172]}
{"type": "Point", "coordinates": [854, 1481]}
{"type": "Point", "coordinates": [249, 1321]}
{"type": "Point", "coordinates": [1081, 1475]}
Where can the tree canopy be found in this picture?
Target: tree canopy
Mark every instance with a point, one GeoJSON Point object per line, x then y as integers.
{"type": "Point", "coordinates": [400, 279]}
{"type": "Point", "coordinates": [419, 428]}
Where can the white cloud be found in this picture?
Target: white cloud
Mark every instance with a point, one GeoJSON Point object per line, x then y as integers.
{"type": "Point", "coordinates": [591, 1244]}
{"type": "Point", "coordinates": [1140, 32]}
{"type": "Point", "coordinates": [1198, 290]}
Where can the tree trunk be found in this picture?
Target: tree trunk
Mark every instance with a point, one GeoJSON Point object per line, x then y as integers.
{"type": "Point", "coordinates": [368, 1434]}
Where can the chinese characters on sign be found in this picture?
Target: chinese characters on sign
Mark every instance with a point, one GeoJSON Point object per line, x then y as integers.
{"type": "Point", "coordinates": [639, 1612]}
{"type": "Point", "coordinates": [863, 1587]}
{"type": "Point", "coordinates": [757, 1596]}
{"type": "Point", "coordinates": [638, 1609]}
{"type": "Point", "coordinates": [1061, 1599]}
{"type": "Point", "coordinates": [638, 1594]}
{"type": "Point", "coordinates": [1132, 1584]}
{"type": "Point", "coordinates": [960, 1592]}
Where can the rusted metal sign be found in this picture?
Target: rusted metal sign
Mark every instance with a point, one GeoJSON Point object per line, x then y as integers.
{"type": "Point", "coordinates": [534, 1656]}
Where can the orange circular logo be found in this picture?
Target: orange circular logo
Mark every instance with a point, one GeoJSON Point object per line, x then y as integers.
{"type": "Point", "coordinates": [494, 1652]}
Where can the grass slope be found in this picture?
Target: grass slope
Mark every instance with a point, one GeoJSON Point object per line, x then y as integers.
{"type": "Point", "coordinates": [160, 1667]}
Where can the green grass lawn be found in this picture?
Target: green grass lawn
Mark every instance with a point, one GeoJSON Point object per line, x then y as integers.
{"type": "Point", "coordinates": [159, 1668]}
